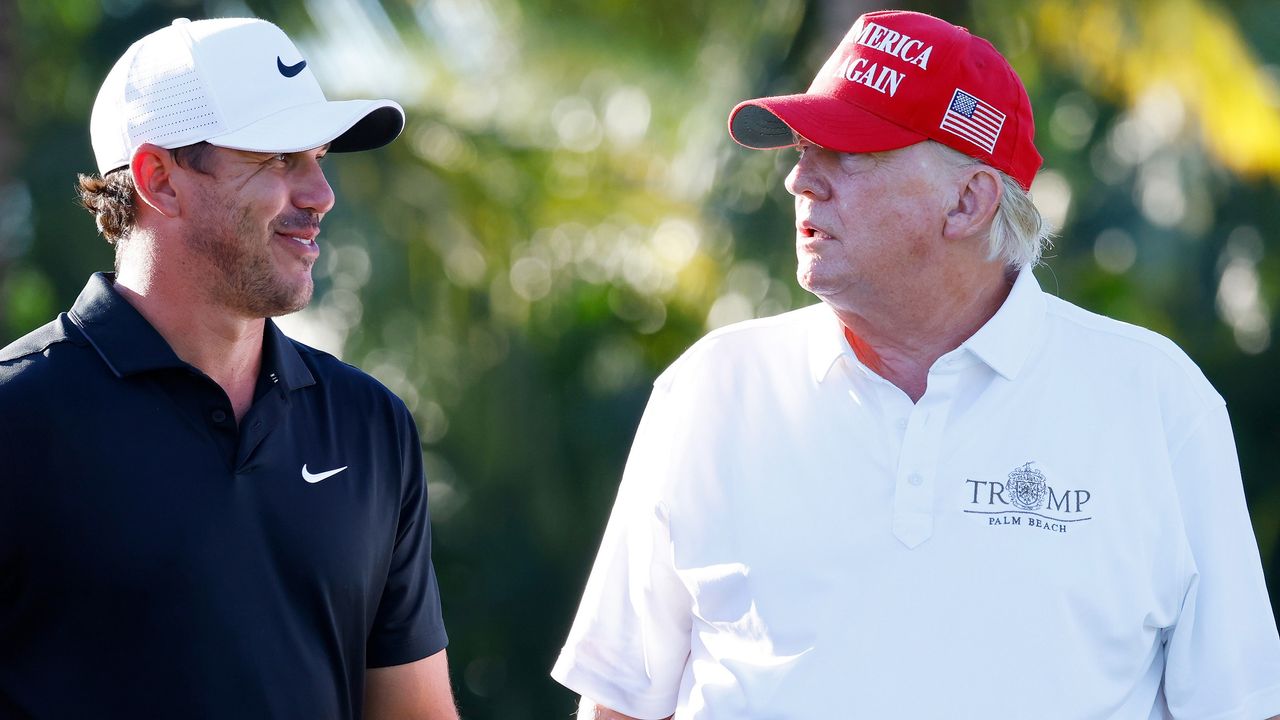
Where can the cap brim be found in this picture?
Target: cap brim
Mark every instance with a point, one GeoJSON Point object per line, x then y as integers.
{"type": "Point", "coordinates": [774, 122]}
{"type": "Point", "coordinates": [346, 125]}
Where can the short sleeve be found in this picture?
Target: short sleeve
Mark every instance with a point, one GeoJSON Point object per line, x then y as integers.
{"type": "Point", "coordinates": [408, 625]}
{"type": "Point", "coordinates": [1223, 654]}
{"type": "Point", "coordinates": [629, 643]}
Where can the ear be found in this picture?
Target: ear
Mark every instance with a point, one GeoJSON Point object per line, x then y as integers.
{"type": "Point", "coordinates": [976, 204]}
{"type": "Point", "coordinates": [152, 169]}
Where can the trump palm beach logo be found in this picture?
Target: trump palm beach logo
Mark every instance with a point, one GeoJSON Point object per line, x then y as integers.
{"type": "Point", "coordinates": [1026, 498]}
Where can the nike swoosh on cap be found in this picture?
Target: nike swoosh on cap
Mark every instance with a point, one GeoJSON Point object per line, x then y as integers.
{"type": "Point", "coordinates": [289, 70]}
{"type": "Point", "coordinates": [317, 477]}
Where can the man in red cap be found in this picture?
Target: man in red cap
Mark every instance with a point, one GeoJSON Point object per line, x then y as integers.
{"type": "Point", "coordinates": [940, 492]}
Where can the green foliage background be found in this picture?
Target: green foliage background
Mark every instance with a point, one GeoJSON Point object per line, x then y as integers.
{"type": "Point", "coordinates": [565, 214]}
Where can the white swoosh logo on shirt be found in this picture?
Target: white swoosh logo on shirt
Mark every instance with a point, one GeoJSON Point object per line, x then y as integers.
{"type": "Point", "coordinates": [317, 477]}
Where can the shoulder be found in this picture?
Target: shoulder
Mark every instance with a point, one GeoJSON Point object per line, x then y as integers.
{"type": "Point", "coordinates": [36, 352]}
{"type": "Point", "coordinates": [347, 383]}
{"type": "Point", "coordinates": [1111, 347]}
{"type": "Point", "coordinates": [47, 364]}
{"type": "Point", "coordinates": [780, 343]}
{"type": "Point", "coordinates": [37, 341]}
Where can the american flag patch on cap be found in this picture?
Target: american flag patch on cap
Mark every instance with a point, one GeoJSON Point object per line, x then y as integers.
{"type": "Point", "coordinates": [973, 120]}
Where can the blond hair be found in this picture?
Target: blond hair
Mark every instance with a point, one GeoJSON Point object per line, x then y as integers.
{"type": "Point", "coordinates": [1019, 235]}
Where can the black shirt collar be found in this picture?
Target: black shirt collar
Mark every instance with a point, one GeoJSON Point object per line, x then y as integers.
{"type": "Point", "coordinates": [128, 344]}
{"type": "Point", "coordinates": [280, 359]}
{"type": "Point", "coordinates": [125, 340]}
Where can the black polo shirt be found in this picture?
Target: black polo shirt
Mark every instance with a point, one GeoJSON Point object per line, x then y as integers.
{"type": "Point", "coordinates": [157, 561]}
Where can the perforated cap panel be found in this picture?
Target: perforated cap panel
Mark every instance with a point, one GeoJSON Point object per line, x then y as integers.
{"type": "Point", "coordinates": [165, 96]}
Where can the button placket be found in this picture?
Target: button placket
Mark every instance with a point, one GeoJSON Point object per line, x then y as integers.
{"type": "Point", "coordinates": [913, 500]}
{"type": "Point", "coordinates": [893, 404]}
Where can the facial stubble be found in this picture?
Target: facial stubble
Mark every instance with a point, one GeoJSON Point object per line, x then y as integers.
{"type": "Point", "coordinates": [239, 254]}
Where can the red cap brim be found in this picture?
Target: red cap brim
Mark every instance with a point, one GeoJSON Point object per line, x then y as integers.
{"type": "Point", "coordinates": [829, 122]}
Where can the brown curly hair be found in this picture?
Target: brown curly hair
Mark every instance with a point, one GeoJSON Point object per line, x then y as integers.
{"type": "Point", "coordinates": [112, 199]}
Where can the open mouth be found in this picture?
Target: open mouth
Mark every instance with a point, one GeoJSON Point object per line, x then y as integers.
{"type": "Point", "coordinates": [814, 233]}
{"type": "Point", "coordinates": [306, 242]}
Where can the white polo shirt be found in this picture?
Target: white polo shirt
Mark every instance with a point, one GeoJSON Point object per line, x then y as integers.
{"type": "Point", "coordinates": [1057, 526]}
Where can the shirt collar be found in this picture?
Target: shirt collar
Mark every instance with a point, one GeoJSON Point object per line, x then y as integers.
{"type": "Point", "coordinates": [118, 332]}
{"type": "Point", "coordinates": [826, 342]}
{"type": "Point", "coordinates": [129, 345]}
{"type": "Point", "coordinates": [280, 360]}
{"type": "Point", "coordinates": [1003, 343]}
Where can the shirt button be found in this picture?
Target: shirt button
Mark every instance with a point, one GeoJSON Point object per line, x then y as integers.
{"type": "Point", "coordinates": [218, 416]}
{"type": "Point", "coordinates": [915, 479]}
{"type": "Point", "coordinates": [902, 424]}
{"type": "Point", "coordinates": [257, 424]}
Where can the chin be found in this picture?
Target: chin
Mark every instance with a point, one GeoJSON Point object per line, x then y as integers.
{"type": "Point", "coordinates": [297, 301]}
{"type": "Point", "coordinates": [810, 277]}
{"type": "Point", "coordinates": [275, 299]}
{"type": "Point", "coordinates": [821, 285]}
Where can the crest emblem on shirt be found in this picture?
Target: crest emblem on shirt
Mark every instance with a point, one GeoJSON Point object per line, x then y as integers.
{"type": "Point", "coordinates": [1028, 497]}
{"type": "Point", "coordinates": [1026, 487]}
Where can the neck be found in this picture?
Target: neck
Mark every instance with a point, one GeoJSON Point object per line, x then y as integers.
{"type": "Point", "coordinates": [222, 344]}
{"type": "Point", "coordinates": [901, 340]}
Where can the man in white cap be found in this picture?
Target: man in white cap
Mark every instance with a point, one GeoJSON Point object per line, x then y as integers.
{"type": "Point", "coordinates": [199, 517]}
{"type": "Point", "coordinates": [940, 492]}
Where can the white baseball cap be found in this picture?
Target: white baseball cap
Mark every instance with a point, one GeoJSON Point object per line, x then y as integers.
{"type": "Point", "coordinates": [237, 83]}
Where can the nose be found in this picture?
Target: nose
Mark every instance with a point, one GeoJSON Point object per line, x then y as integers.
{"type": "Point", "coordinates": [805, 179]}
{"type": "Point", "coordinates": [311, 189]}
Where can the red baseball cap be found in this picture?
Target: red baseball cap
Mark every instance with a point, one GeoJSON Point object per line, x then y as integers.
{"type": "Point", "coordinates": [899, 78]}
